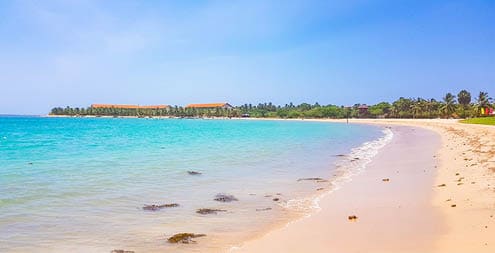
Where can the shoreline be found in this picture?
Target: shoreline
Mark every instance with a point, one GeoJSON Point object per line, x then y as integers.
{"type": "Point", "coordinates": [463, 217]}
{"type": "Point", "coordinates": [457, 196]}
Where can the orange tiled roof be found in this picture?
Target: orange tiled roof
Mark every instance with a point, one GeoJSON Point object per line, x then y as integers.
{"type": "Point", "coordinates": [129, 106]}
{"type": "Point", "coordinates": [210, 105]}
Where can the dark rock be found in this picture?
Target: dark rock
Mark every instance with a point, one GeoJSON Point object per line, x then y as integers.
{"type": "Point", "coordinates": [209, 211]}
{"type": "Point", "coordinates": [385, 179]}
{"type": "Point", "coordinates": [192, 172]}
{"type": "Point", "coordinates": [267, 196]}
{"type": "Point", "coordinates": [263, 209]}
{"type": "Point", "coordinates": [441, 185]}
{"type": "Point", "coordinates": [158, 207]}
{"type": "Point", "coordinates": [276, 199]}
{"type": "Point", "coordinates": [225, 198]}
{"type": "Point", "coordinates": [185, 238]}
{"type": "Point", "coordinates": [310, 179]}
{"type": "Point", "coordinates": [121, 251]}
{"type": "Point", "coordinates": [320, 189]}
{"type": "Point", "coordinates": [322, 181]}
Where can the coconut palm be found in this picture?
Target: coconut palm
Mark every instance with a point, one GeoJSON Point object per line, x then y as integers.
{"type": "Point", "coordinates": [464, 99]}
{"type": "Point", "coordinates": [448, 107]}
{"type": "Point", "coordinates": [483, 101]}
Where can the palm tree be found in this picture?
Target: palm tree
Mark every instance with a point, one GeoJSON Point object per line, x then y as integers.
{"type": "Point", "coordinates": [448, 108]}
{"type": "Point", "coordinates": [464, 98]}
{"type": "Point", "coordinates": [483, 101]}
{"type": "Point", "coordinates": [417, 107]}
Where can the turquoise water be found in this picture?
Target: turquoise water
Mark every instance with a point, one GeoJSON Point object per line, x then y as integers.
{"type": "Point", "coordinates": [78, 184]}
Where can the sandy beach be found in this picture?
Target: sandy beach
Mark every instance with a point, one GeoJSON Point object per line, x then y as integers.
{"type": "Point", "coordinates": [432, 189]}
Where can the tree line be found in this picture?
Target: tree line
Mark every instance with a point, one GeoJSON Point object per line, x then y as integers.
{"type": "Point", "coordinates": [462, 105]}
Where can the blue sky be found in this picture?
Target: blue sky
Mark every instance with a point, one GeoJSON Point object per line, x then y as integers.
{"type": "Point", "coordinates": [78, 52]}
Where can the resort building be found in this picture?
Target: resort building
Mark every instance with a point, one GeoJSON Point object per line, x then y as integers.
{"type": "Point", "coordinates": [130, 106]}
{"type": "Point", "coordinates": [363, 110]}
{"type": "Point", "coordinates": [210, 106]}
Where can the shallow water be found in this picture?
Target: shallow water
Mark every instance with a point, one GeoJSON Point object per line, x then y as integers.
{"type": "Point", "coordinates": [79, 184]}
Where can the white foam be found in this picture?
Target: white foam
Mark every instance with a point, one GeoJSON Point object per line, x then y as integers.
{"type": "Point", "coordinates": [353, 164]}
{"type": "Point", "coordinates": [347, 168]}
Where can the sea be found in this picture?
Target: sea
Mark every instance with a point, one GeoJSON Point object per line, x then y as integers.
{"type": "Point", "coordinates": [80, 184]}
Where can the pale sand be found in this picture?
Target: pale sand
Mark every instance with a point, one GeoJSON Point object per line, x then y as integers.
{"type": "Point", "coordinates": [410, 213]}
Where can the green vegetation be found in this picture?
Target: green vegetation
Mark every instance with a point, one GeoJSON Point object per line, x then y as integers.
{"type": "Point", "coordinates": [449, 107]}
{"type": "Point", "coordinates": [482, 121]}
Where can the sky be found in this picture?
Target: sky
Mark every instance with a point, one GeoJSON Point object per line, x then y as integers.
{"type": "Point", "coordinates": [79, 52]}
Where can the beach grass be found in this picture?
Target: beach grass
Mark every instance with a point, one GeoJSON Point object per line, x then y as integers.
{"type": "Point", "coordinates": [483, 121]}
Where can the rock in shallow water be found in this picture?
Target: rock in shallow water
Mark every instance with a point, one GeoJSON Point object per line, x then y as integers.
{"type": "Point", "coordinates": [225, 198]}
{"type": "Point", "coordinates": [185, 238]}
{"type": "Point", "coordinates": [192, 172]}
{"type": "Point", "coordinates": [158, 207]}
{"type": "Point", "coordinates": [209, 211]}
{"type": "Point", "coordinates": [311, 179]}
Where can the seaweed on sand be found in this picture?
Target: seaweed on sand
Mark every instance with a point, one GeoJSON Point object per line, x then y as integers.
{"type": "Point", "coordinates": [185, 238]}
{"type": "Point", "coordinates": [225, 198]}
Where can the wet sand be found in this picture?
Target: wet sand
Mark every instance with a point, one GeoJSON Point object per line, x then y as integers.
{"type": "Point", "coordinates": [410, 212]}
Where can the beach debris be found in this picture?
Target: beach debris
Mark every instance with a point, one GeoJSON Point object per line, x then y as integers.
{"type": "Point", "coordinates": [192, 172]}
{"type": "Point", "coordinates": [121, 251]}
{"type": "Point", "coordinates": [454, 205]}
{"type": "Point", "coordinates": [185, 238]}
{"type": "Point", "coordinates": [352, 218]}
{"type": "Point", "coordinates": [340, 155]}
{"type": "Point", "coordinates": [276, 199]}
{"type": "Point", "coordinates": [252, 194]}
{"type": "Point", "coordinates": [154, 207]}
{"type": "Point", "coordinates": [322, 181]}
{"type": "Point", "coordinates": [320, 189]}
{"type": "Point", "coordinates": [448, 200]}
{"type": "Point", "coordinates": [263, 209]}
{"type": "Point", "coordinates": [441, 185]}
{"type": "Point", "coordinates": [386, 179]}
{"type": "Point", "coordinates": [310, 179]}
{"type": "Point", "coordinates": [457, 174]}
{"type": "Point", "coordinates": [209, 211]}
{"type": "Point", "coordinates": [267, 196]}
{"type": "Point", "coordinates": [460, 183]}
{"type": "Point", "coordinates": [225, 198]}
{"type": "Point", "coordinates": [279, 194]}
